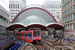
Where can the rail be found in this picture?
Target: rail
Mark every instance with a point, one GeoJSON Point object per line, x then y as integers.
{"type": "Point", "coordinates": [70, 40]}
{"type": "Point", "coordinates": [15, 47]}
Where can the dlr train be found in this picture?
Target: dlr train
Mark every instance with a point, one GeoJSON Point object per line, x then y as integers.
{"type": "Point", "coordinates": [30, 36]}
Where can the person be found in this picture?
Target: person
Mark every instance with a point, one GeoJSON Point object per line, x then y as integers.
{"type": "Point", "coordinates": [55, 35]}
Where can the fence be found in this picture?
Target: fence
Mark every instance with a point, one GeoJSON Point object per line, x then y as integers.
{"type": "Point", "coordinates": [15, 47]}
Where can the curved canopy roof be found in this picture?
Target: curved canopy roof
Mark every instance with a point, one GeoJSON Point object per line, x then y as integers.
{"type": "Point", "coordinates": [34, 13]}
{"type": "Point", "coordinates": [34, 16]}
{"type": "Point", "coordinates": [15, 25]}
{"type": "Point", "coordinates": [56, 26]}
{"type": "Point", "coordinates": [36, 25]}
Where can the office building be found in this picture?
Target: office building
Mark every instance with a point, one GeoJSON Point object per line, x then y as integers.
{"type": "Point", "coordinates": [68, 16]}
{"type": "Point", "coordinates": [14, 7]}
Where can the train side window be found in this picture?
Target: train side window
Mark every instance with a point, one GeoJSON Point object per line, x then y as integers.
{"type": "Point", "coordinates": [23, 34]}
{"type": "Point", "coordinates": [29, 34]}
{"type": "Point", "coordinates": [26, 34]}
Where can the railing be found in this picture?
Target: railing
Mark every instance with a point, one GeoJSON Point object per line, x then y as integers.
{"type": "Point", "coordinates": [70, 40]}
{"type": "Point", "coordinates": [15, 47]}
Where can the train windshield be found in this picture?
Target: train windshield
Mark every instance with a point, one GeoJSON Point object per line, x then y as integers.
{"type": "Point", "coordinates": [36, 33]}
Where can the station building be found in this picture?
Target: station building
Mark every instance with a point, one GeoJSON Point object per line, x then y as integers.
{"type": "Point", "coordinates": [34, 17]}
{"type": "Point", "coordinates": [4, 21]}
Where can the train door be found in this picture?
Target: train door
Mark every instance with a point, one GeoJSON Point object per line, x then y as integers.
{"type": "Point", "coordinates": [20, 34]}
{"type": "Point", "coordinates": [24, 35]}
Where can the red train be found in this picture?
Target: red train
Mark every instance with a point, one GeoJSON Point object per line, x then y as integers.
{"type": "Point", "coordinates": [30, 36]}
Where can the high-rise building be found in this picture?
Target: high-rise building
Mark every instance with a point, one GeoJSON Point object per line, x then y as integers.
{"type": "Point", "coordinates": [68, 16]}
{"type": "Point", "coordinates": [54, 8]}
{"type": "Point", "coordinates": [14, 7]}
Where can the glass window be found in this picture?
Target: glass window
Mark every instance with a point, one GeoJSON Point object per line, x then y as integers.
{"type": "Point", "coordinates": [68, 10]}
{"type": "Point", "coordinates": [73, 15]}
{"type": "Point", "coordinates": [9, 5]}
{"type": "Point", "coordinates": [73, 0]}
{"type": "Point", "coordinates": [68, 18]}
{"type": "Point", "coordinates": [57, 16]}
{"type": "Point", "coordinates": [70, 1]}
{"type": "Point", "coordinates": [36, 33]}
{"type": "Point", "coordinates": [57, 12]}
{"type": "Point", "coordinates": [18, 5]}
{"type": "Point", "coordinates": [73, 25]}
{"type": "Point", "coordinates": [73, 7]}
{"type": "Point", "coordinates": [66, 5]}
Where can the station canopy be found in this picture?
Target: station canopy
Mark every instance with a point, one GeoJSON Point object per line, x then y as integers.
{"type": "Point", "coordinates": [34, 16]}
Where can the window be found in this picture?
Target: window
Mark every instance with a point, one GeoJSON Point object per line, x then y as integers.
{"type": "Point", "coordinates": [57, 12]}
{"type": "Point", "coordinates": [66, 5]}
{"type": "Point", "coordinates": [73, 7]}
{"type": "Point", "coordinates": [73, 15]}
{"type": "Point", "coordinates": [18, 5]}
{"type": "Point", "coordinates": [9, 5]}
{"type": "Point", "coordinates": [73, 25]}
{"type": "Point", "coordinates": [68, 10]}
{"type": "Point", "coordinates": [73, 0]}
{"type": "Point", "coordinates": [70, 1]}
{"type": "Point", "coordinates": [57, 16]}
{"type": "Point", "coordinates": [68, 18]}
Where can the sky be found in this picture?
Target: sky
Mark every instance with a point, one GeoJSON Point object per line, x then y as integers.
{"type": "Point", "coordinates": [5, 3]}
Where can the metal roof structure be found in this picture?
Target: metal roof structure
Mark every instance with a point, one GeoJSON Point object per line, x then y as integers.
{"type": "Point", "coordinates": [34, 16]}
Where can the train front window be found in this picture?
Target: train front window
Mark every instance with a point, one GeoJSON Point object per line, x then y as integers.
{"type": "Point", "coordinates": [36, 33]}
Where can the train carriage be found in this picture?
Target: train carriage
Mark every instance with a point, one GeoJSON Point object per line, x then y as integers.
{"type": "Point", "coordinates": [30, 36]}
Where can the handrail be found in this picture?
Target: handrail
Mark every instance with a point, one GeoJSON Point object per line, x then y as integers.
{"type": "Point", "coordinates": [15, 47]}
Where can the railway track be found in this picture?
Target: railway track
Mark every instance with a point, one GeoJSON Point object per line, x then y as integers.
{"type": "Point", "coordinates": [56, 46]}
{"type": "Point", "coordinates": [49, 45]}
{"type": "Point", "coordinates": [41, 47]}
